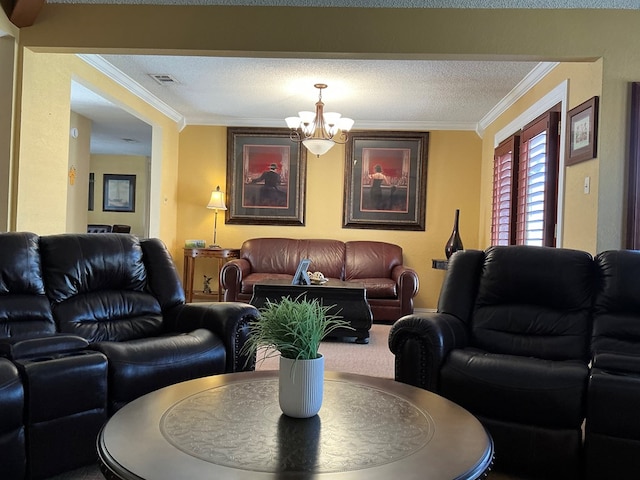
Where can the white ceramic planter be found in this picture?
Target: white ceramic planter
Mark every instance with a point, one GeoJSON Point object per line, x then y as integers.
{"type": "Point", "coordinates": [301, 385]}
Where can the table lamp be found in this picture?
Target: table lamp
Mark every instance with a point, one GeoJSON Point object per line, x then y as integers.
{"type": "Point", "coordinates": [216, 202]}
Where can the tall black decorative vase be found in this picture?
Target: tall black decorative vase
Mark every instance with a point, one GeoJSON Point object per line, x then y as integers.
{"type": "Point", "coordinates": [454, 243]}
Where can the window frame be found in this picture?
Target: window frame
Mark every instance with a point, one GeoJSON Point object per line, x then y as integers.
{"type": "Point", "coordinates": [548, 122]}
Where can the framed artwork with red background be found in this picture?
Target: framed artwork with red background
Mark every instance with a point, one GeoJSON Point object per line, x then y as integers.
{"type": "Point", "coordinates": [386, 180]}
{"type": "Point", "coordinates": [266, 177]}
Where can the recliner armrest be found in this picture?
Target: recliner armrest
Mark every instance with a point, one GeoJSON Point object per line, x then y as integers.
{"type": "Point", "coordinates": [617, 363]}
{"type": "Point", "coordinates": [228, 320]}
{"type": "Point", "coordinates": [421, 342]}
{"type": "Point", "coordinates": [41, 346]}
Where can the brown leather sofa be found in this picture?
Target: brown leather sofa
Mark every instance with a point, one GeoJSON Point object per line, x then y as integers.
{"type": "Point", "coordinates": [390, 286]}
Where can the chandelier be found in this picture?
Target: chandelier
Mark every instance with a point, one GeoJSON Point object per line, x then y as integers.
{"type": "Point", "coordinates": [319, 131]}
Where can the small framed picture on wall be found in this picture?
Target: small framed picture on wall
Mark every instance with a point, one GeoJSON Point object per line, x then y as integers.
{"type": "Point", "coordinates": [119, 193]}
{"type": "Point", "coordinates": [582, 132]}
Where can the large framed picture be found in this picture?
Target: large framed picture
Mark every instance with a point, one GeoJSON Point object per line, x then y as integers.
{"type": "Point", "coordinates": [119, 193]}
{"type": "Point", "coordinates": [266, 177]}
{"type": "Point", "coordinates": [582, 132]}
{"type": "Point", "coordinates": [386, 180]}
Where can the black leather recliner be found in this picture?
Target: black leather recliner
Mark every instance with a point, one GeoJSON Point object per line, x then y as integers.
{"type": "Point", "coordinates": [125, 297]}
{"type": "Point", "coordinates": [91, 322]}
{"type": "Point", "coordinates": [510, 343]}
{"type": "Point", "coordinates": [612, 437]}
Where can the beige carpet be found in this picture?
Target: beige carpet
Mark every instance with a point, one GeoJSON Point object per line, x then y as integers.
{"type": "Point", "coordinates": [373, 359]}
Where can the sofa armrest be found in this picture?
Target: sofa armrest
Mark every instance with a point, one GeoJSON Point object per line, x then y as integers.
{"type": "Point", "coordinates": [617, 363]}
{"type": "Point", "coordinates": [228, 320]}
{"type": "Point", "coordinates": [231, 277]}
{"type": "Point", "coordinates": [41, 346]}
{"type": "Point", "coordinates": [420, 343]}
{"type": "Point", "coordinates": [407, 284]}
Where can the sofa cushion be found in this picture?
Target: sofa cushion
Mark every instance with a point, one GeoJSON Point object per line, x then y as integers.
{"type": "Point", "coordinates": [365, 259]}
{"type": "Point", "coordinates": [282, 255]}
{"type": "Point", "coordinates": [379, 287]}
{"type": "Point", "coordinates": [616, 323]}
{"type": "Point", "coordinates": [516, 389]}
{"type": "Point", "coordinates": [98, 287]}
{"type": "Point", "coordinates": [77, 264]}
{"type": "Point", "coordinates": [141, 366]}
{"type": "Point", "coordinates": [544, 313]}
{"type": "Point", "coordinates": [24, 308]}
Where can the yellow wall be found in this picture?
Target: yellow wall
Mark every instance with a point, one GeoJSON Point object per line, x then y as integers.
{"type": "Point", "coordinates": [452, 182]}
{"type": "Point", "coordinates": [121, 165]}
{"type": "Point", "coordinates": [580, 212]}
{"type": "Point", "coordinates": [78, 167]}
{"type": "Point", "coordinates": [45, 145]}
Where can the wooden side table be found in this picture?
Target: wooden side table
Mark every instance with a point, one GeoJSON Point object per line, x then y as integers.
{"type": "Point", "coordinates": [190, 254]}
{"type": "Point", "coordinates": [439, 264]}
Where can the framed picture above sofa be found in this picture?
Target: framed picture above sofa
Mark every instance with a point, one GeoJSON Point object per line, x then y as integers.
{"type": "Point", "coordinates": [266, 177]}
{"type": "Point", "coordinates": [386, 180]}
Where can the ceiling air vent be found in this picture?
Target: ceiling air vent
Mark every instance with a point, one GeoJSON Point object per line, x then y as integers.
{"type": "Point", "coordinates": [163, 78]}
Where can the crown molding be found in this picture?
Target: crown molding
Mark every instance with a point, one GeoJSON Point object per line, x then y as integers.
{"type": "Point", "coordinates": [100, 64]}
{"type": "Point", "coordinates": [360, 124]}
{"type": "Point", "coordinates": [538, 73]}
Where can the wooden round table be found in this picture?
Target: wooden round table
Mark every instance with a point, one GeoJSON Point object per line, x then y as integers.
{"type": "Point", "coordinates": [230, 426]}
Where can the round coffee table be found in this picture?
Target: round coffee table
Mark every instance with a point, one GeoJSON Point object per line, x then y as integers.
{"type": "Point", "coordinates": [230, 426]}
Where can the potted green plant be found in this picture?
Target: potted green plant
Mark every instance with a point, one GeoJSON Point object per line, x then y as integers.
{"type": "Point", "coordinates": [294, 328]}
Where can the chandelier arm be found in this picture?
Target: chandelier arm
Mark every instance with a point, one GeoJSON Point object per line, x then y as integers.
{"type": "Point", "coordinates": [317, 131]}
{"type": "Point", "coordinates": [294, 136]}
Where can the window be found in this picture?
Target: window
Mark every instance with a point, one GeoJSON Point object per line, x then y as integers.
{"type": "Point", "coordinates": [525, 185]}
{"type": "Point", "coordinates": [505, 163]}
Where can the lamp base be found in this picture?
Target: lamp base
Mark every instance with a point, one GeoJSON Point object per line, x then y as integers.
{"type": "Point", "coordinates": [216, 246]}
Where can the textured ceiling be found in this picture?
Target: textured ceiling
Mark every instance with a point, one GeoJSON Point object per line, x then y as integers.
{"type": "Point", "coordinates": [260, 92]}
{"type": "Point", "coordinates": [389, 94]}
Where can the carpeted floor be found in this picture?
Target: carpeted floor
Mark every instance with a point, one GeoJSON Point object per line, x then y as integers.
{"type": "Point", "coordinates": [373, 359]}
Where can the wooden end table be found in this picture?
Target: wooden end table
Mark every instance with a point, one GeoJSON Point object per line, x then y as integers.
{"type": "Point", "coordinates": [190, 255]}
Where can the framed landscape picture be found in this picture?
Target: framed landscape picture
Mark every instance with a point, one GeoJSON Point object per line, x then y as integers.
{"type": "Point", "coordinates": [119, 193]}
{"type": "Point", "coordinates": [386, 180]}
{"type": "Point", "coordinates": [266, 177]}
{"type": "Point", "coordinates": [582, 132]}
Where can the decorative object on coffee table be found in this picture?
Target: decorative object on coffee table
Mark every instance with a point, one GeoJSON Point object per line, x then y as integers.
{"type": "Point", "coordinates": [295, 328]}
{"type": "Point", "coordinates": [454, 243]}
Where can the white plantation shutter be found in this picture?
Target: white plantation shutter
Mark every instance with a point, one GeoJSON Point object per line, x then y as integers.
{"type": "Point", "coordinates": [537, 182]}
{"type": "Point", "coordinates": [505, 167]}
{"type": "Point", "coordinates": [525, 184]}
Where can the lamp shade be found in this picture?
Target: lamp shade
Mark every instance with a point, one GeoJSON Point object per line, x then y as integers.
{"type": "Point", "coordinates": [217, 200]}
{"type": "Point", "coordinates": [318, 146]}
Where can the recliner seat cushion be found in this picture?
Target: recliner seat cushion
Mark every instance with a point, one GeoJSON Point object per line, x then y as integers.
{"type": "Point", "coordinates": [140, 366]}
{"type": "Point", "coordinates": [516, 389]}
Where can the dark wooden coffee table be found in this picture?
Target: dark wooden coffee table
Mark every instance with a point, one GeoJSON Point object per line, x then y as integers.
{"type": "Point", "coordinates": [348, 298]}
{"type": "Point", "coordinates": [230, 426]}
